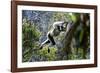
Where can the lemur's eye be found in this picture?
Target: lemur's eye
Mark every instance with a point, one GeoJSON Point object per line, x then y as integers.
{"type": "Point", "coordinates": [58, 27]}
{"type": "Point", "coordinates": [62, 27]}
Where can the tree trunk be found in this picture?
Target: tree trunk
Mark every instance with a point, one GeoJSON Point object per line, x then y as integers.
{"type": "Point", "coordinates": [68, 38]}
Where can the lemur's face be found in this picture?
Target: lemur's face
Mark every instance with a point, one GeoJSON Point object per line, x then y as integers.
{"type": "Point", "coordinates": [63, 26]}
{"type": "Point", "coordinates": [60, 25]}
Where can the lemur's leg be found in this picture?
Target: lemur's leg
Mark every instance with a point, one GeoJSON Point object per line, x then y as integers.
{"type": "Point", "coordinates": [51, 39]}
{"type": "Point", "coordinates": [45, 42]}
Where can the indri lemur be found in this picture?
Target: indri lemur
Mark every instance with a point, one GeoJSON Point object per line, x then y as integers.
{"type": "Point", "coordinates": [57, 28]}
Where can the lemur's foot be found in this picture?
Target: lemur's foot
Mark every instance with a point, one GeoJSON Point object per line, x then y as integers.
{"type": "Point", "coordinates": [48, 50]}
{"type": "Point", "coordinates": [41, 46]}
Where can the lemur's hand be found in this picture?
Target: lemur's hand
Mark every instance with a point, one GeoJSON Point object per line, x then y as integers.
{"type": "Point", "coordinates": [40, 47]}
{"type": "Point", "coordinates": [48, 50]}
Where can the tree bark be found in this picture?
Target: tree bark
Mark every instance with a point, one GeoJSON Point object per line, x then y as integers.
{"type": "Point", "coordinates": [68, 38]}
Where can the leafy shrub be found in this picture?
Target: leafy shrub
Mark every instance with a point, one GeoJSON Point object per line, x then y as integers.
{"type": "Point", "coordinates": [30, 34]}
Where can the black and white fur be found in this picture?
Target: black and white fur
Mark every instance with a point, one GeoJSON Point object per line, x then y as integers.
{"type": "Point", "coordinates": [57, 28]}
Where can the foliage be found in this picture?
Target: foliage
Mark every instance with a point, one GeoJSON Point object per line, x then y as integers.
{"type": "Point", "coordinates": [49, 56]}
{"type": "Point", "coordinates": [29, 37]}
{"type": "Point", "coordinates": [35, 26]}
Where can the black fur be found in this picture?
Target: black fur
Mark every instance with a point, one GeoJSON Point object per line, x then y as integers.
{"type": "Point", "coordinates": [58, 27]}
{"type": "Point", "coordinates": [51, 39]}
